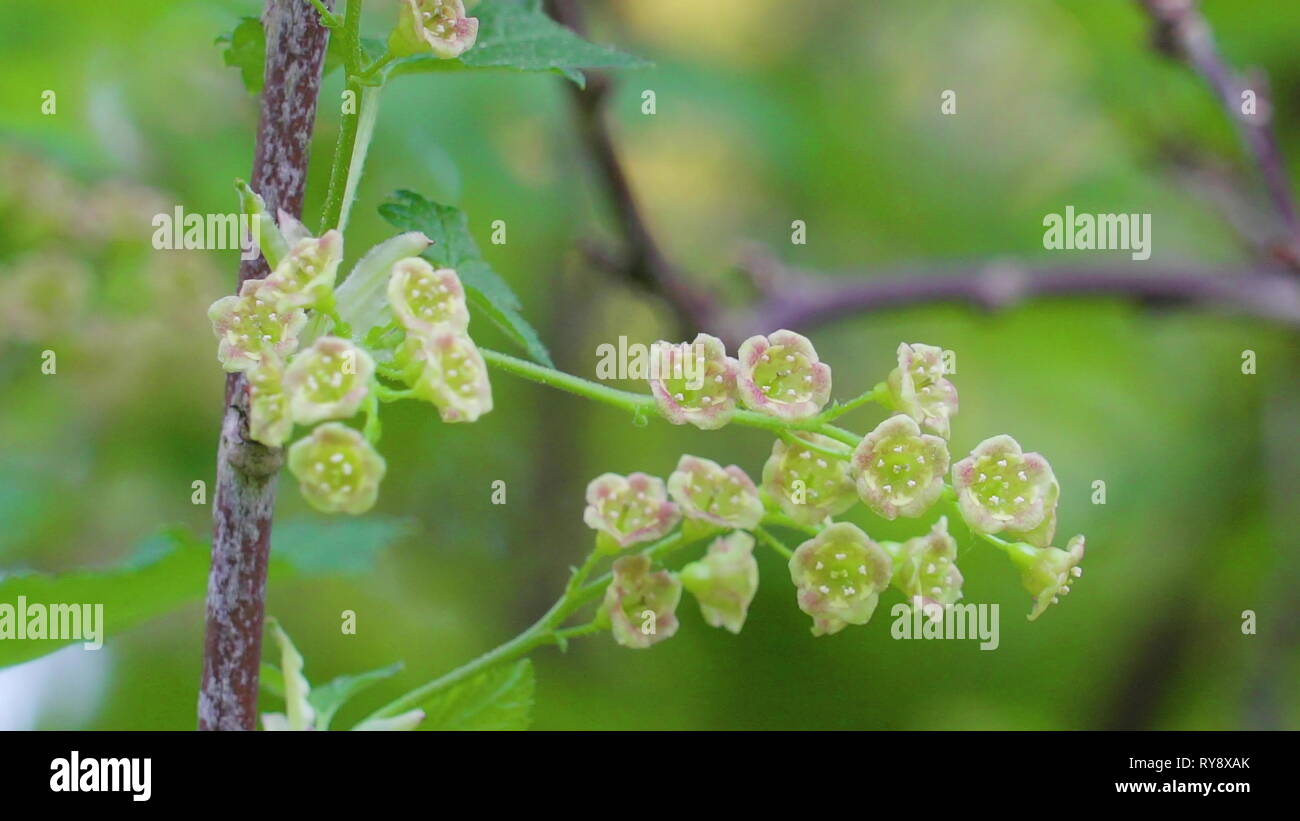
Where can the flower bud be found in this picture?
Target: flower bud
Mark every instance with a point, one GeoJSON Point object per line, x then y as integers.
{"type": "Point", "coordinates": [810, 485]}
{"type": "Point", "coordinates": [725, 497]}
{"type": "Point", "coordinates": [925, 568]}
{"type": "Point", "coordinates": [641, 606]}
{"type": "Point", "coordinates": [696, 383]}
{"type": "Point", "coordinates": [780, 375]}
{"type": "Point", "coordinates": [918, 388]}
{"type": "Point", "coordinates": [439, 27]}
{"type": "Point", "coordinates": [305, 278]}
{"type": "Point", "coordinates": [839, 575]}
{"type": "Point", "coordinates": [269, 421]}
{"type": "Point", "coordinates": [250, 328]}
{"type": "Point", "coordinates": [725, 580]}
{"type": "Point", "coordinates": [426, 301]}
{"type": "Point", "coordinates": [329, 380]}
{"type": "Point", "coordinates": [447, 370]}
{"type": "Point", "coordinates": [1048, 572]}
{"type": "Point", "coordinates": [999, 488]}
{"type": "Point", "coordinates": [337, 469]}
{"type": "Point", "coordinates": [629, 510]}
{"type": "Point", "coordinates": [900, 470]}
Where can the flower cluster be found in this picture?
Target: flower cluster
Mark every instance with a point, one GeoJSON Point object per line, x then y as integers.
{"type": "Point", "coordinates": [295, 335]}
{"type": "Point", "coordinates": [817, 472]}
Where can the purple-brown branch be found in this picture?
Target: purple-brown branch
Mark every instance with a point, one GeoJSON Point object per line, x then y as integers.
{"type": "Point", "coordinates": [1182, 31]}
{"type": "Point", "coordinates": [797, 299]}
{"type": "Point", "coordinates": [244, 500]}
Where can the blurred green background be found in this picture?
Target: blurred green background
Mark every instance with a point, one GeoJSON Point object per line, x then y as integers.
{"type": "Point", "coordinates": [828, 112]}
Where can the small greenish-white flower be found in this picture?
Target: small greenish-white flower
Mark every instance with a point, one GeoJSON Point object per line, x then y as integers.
{"type": "Point", "coordinates": [437, 27]}
{"type": "Point", "coordinates": [917, 387]}
{"type": "Point", "coordinates": [810, 485]}
{"type": "Point", "coordinates": [925, 568]}
{"type": "Point", "coordinates": [628, 510]}
{"type": "Point", "coordinates": [900, 470]}
{"type": "Point", "coordinates": [1048, 572]}
{"type": "Point", "coordinates": [329, 380]}
{"type": "Point", "coordinates": [249, 328]}
{"type": "Point", "coordinates": [337, 469]}
{"type": "Point", "coordinates": [447, 370]}
{"type": "Point", "coordinates": [696, 383]}
{"type": "Point", "coordinates": [706, 491]}
{"type": "Point", "coordinates": [426, 301]}
{"type": "Point", "coordinates": [305, 278]}
{"type": "Point", "coordinates": [641, 606]}
{"type": "Point", "coordinates": [999, 487]}
{"type": "Point", "coordinates": [838, 575]}
{"type": "Point", "coordinates": [269, 420]}
{"type": "Point", "coordinates": [780, 375]}
{"type": "Point", "coordinates": [725, 580]}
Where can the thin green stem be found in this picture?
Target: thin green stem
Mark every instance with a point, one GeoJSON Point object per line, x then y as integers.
{"type": "Point", "coordinates": [328, 19]}
{"type": "Point", "coordinates": [343, 149]}
{"type": "Point", "coordinates": [773, 542]}
{"type": "Point", "coordinates": [876, 394]}
{"type": "Point", "coordinates": [643, 405]}
{"type": "Point", "coordinates": [387, 394]}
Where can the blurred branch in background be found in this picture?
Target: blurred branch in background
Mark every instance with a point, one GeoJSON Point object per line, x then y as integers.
{"type": "Point", "coordinates": [787, 297]}
{"type": "Point", "coordinates": [1182, 31]}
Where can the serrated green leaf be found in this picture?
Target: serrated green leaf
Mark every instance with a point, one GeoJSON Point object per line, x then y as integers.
{"type": "Point", "coordinates": [500, 698]}
{"type": "Point", "coordinates": [454, 247]}
{"type": "Point", "coordinates": [246, 50]}
{"type": "Point", "coordinates": [328, 698]}
{"type": "Point", "coordinates": [170, 569]}
{"type": "Point", "coordinates": [518, 35]}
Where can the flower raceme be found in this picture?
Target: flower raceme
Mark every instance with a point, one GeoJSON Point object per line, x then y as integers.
{"type": "Point", "coordinates": [405, 311]}
{"type": "Point", "coordinates": [411, 324]}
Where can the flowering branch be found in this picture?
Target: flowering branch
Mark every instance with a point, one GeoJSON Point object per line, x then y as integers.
{"type": "Point", "coordinates": [244, 497]}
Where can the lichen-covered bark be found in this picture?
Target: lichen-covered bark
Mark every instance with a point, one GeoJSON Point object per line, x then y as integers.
{"type": "Point", "coordinates": [246, 471]}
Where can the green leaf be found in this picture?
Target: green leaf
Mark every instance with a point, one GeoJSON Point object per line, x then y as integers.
{"type": "Point", "coordinates": [328, 698]}
{"type": "Point", "coordinates": [320, 546]}
{"type": "Point", "coordinates": [246, 50]}
{"type": "Point", "coordinates": [170, 569]}
{"type": "Point", "coordinates": [454, 247]}
{"type": "Point", "coordinates": [500, 698]}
